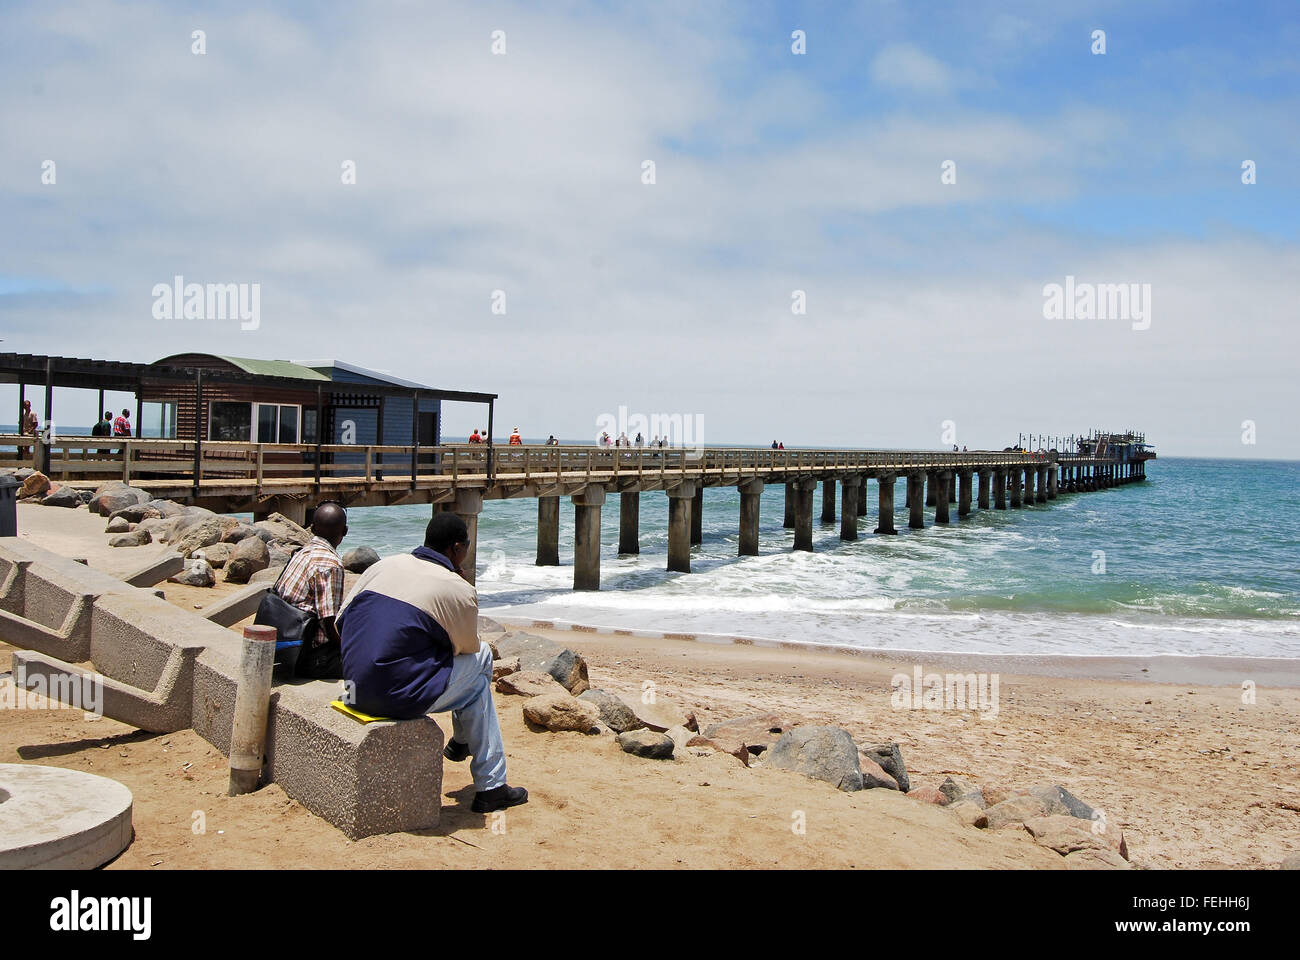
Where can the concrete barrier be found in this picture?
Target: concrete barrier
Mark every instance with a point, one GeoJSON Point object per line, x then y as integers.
{"type": "Point", "coordinates": [163, 668]}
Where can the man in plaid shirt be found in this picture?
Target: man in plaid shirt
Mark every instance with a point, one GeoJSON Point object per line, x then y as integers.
{"type": "Point", "coordinates": [313, 581]}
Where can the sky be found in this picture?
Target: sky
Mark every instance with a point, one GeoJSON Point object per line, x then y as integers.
{"type": "Point", "coordinates": [503, 233]}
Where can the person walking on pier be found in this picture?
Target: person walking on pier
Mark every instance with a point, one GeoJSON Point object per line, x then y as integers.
{"type": "Point", "coordinates": [313, 582]}
{"type": "Point", "coordinates": [122, 425]}
{"type": "Point", "coordinates": [411, 647]}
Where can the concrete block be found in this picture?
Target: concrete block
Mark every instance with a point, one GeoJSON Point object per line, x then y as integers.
{"type": "Point", "coordinates": [57, 819]}
{"type": "Point", "coordinates": [229, 611]}
{"type": "Point", "coordinates": [168, 565]}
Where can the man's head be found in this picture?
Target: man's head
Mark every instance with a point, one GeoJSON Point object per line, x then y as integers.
{"type": "Point", "coordinates": [448, 534]}
{"type": "Point", "coordinates": [27, 404]}
{"type": "Point", "coordinates": [108, 414]}
{"type": "Point", "coordinates": [126, 413]}
{"type": "Point", "coordinates": [330, 522]}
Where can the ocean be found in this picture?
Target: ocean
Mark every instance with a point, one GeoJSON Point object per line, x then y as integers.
{"type": "Point", "coordinates": [1201, 558]}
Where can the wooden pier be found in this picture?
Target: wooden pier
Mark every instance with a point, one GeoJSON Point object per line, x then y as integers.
{"type": "Point", "coordinates": [292, 479]}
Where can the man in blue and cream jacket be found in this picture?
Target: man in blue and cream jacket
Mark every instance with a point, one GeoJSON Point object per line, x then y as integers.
{"type": "Point", "coordinates": [410, 645]}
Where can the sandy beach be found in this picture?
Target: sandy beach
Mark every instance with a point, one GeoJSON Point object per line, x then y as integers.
{"type": "Point", "coordinates": [1166, 748]}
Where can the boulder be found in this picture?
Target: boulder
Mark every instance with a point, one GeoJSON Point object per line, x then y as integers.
{"type": "Point", "coordinates": [197, 573]}
{"type": "Point", "coordinates": [503, 668]}
{"type": "Point", "coordinates": [168, 508]}
{"type": "Point", "coordinates": [529, 683]}
{"type": "Point", "coordinates": [118, 524]}
{"type": "Point", "coordinates": [137, 512]}
{"type": "Point", "coordinates": [874, 775]}
{"type": "Point", "coordinates": [680, 737]}
{"type": "Point", "coordinates": [890, 759]}
{"type": "Point", "coordinates": [970, 814]}
{"type": "Point", "coordinates": [281, 551]}
{"type": "Point", "coordinates": [957, 789]}
{"type": "Point", "coordinates": [734, 748]}
{"type": "Point", "coordinates": [1066, 835]}
{"type": "Point", "coordinates": [928, 795]}
{"type": "Point", "coordinates": [195, 536]}
{"type": "Point", "coordinates": [488, 625]}
{"type": "Point", "coordinates": [136, 538]}
{"type": "Point", "coordinates": [271, 573]}
{"type": "Point", "coordinates": [646, 743]}
{"type": "Point", "coordinates": [1290, 862]}
{"type": "Point", "coordinates": [116, 495]}
{"type": "Point", "coordinates": [237, 531]}
{"type": "Point", "coordinates": [64, 496]}
{"type": "Point", "coordinates": [661, 713]}
{"type": "Point", "coordinates": [1057, 801]}
{"type": "Point", "coordinates": [248, 556]}
{"type": "Point", "coordinates": [561, 711]}
{"type": "Point", "coordinates": [161, 528]}
{"type": "Point", "coordinates": [217, 554]}
{"type": "Point", "coordinates": [359, 559]}
{"type": "Point", "coordinates": [757, 731]}
{"type": "Point", "coordinates": [281, 527]}
{"type": "Point", "coordinates": [614, 711]}
{"type": "Point", "coordinates": [994, 793]}
{"type": "Point", "coordinates": [823, 753]}
{"type": "Point", "coordinates": [1014, 811]}
{"type": "Point", "coordinates": [36, 485]}
{"type": "Point", "coordinates": [546, 656]}
{"type": "Point", "coordinates": [1096, 860]}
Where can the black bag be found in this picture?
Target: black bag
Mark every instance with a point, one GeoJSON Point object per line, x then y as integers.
{"type": "Point", "coordinates": [295, 628]}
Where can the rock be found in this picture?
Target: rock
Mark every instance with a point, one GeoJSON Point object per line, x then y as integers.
{"type": "Point", "coordinates": [1096, 860]}
{"type": "Point", "coordinates": [874, 775]}
{"type": "Point", "coordinates": [970, 814]}
{"type": "Point", "coordinates": [85, 495]}
{"type": "Point", "coordinates": [236, 532]}
{"type": "Point", "coordinates": [118, 524]}
{"type": "Point", "coordinates": [662, 714]}
{"type": "Point", "coordinates": [1059, 801]}
{"type": "Point", "coordinates": [279, 557]}
{"type": "Point", "coordinates": [823, 753]}
{"type": "Point", "coordinates": [492, 645]}
{"type": "Point", "coordinates": [248, 556]}
{"type": "Point", "coordinates": [890, 759]}
{"type": "Point", "coordinates": [734, 748]}
{"type": "Point", "coordinates": [928, 795]}
{"type": "Point", "coordinates": [116, 495]}
{"type": "Point", "coordinates": [1290, 862]}
{"type": "Point", "coordinates": [488, 625]}
{"type": "Point", "coordinates": [646, 743]}
{"type": "Point", "coordinates": [217, 554]}
{"type": "Point", "coordinates": [36, 485]}
{"type": "Point", "coordinates": [529, 683]}
{"type": "Point", "coordinates": [197, 573]}
{"type": "Point", "coordinates": [198, 535]}
{"type": "Point", "coordinates": [680, 737]}
{"type": "Point", "coordinates": [995, 793]}
{"type": "Point", "coordinates": [561, 711]}
{"type": "Point", "coordinates": [954, 790]}
{"type": "Point", "coordinates": [503, 668]}
{"type": "Point", "coordinates": [281, 527]}
{"type": "Point", "coordinates": [1066, 834]}
{"type": "Point", "coordinates": [160, 528]}
{"type": "Point", "coordinates": [757, 731]}
{"type": "Point", "coordinates": [614, 711]}
{"type": "Point", "coordinates": [137, 512]}
{"type": "Point", "coordinates": [271, 573]}
{"type": "Point", "coordinates": [1014, 811]}
{"type": "Point", "coordinates": [167, 508]}
{"type": "Point", "coordinates": [359, 559]}
{"type": "Point", "coordinates": [136, 538]}
{"type": "Point", "coordinates": [546, 656]}
{"type": "Point", "coordinates": [64, 496]}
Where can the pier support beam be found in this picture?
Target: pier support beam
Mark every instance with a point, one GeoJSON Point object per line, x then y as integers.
{"type": "Point", "coordinates": [697, 516]}
{"type": "Point", "coordinates": [681, 499]}
{"type": "Point", "coordinates": [467, 505]}
{"type": "Point", "coordinates": [963, 500]}
{"type": "Point", "coordinates": [916, 501]}
{"type": "Point", "coordinates": [986, 478]}
{"type": "Point", "coordinates": [548, 531]}
{"type": "Point", "coordinates": [1042, 485]}
{"type": "Point", "coordinates": [862, 495]}
{"type": "Point", "coordinates": [931, 480]}
{"type": "Point", "coordinates": [1017, 488]}
{"type": "Point", "coordinates": [629, 523]}
{"type": "Point", "coordinates": [586, 544]}
{"type": "Point", "coordinates": [1053, 481]}
{"type": "Point", "coordinates": [294, 509]}
{"type": "Point", "coordinates": [751, 492]}
{"type": "Point", "coordinates": [1031, 476]}
{"type": "Point", "coordinates": [828, 501]}
{"type": "Point", "coordinates": [803, 512]}
{"type": "Point", "coordinates": [942, 495]}
{"type": "Point", "coordinates": [885, 518]}
{"type": "Point", "coordinates": [1000, 489]}
{"type": "Point", "coordinates": [850, 492]}
{"type": "Point", "coordinates": [789, 506]}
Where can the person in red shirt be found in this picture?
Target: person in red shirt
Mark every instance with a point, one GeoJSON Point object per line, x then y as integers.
{"type": "Point", "coordinates": [474, 437]}
{"type": "Point", "coordinates": [515, 439]}
{"type": "Point", "coordinates": [122, 425]}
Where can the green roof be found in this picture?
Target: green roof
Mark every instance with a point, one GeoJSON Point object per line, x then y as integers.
{"type": "Point", "coordinates": [276, 368]}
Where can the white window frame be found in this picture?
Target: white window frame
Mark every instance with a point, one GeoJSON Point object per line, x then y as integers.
{"type": "Point", "coordinates": [254, 417]}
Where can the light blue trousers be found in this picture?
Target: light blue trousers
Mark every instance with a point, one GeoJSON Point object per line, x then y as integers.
{"type": "Point", "coordinates": [473, 717]}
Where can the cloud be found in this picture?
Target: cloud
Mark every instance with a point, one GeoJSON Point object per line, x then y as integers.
{"type": "Point", "coordinates": [903, 66]}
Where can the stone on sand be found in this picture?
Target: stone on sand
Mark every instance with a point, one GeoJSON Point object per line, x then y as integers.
{"type": "Point", "coordinates": [646, 743]}
{"type": "Point", "coordinates": [823, 753]}
{"type": "Point", "coordinates": [561, 711]}
{"type": "Point", "coordinates": [529, 683]}
{"type": "Point", "coordinates": [614, 711]}
{"type": "Point", "coordinates": [546, 656]}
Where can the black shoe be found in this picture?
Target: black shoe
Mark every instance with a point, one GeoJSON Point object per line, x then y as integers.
{"type": "Point", "coordinates": [455, 751]}
{"type": "Point", "coordinates": [486, 801]}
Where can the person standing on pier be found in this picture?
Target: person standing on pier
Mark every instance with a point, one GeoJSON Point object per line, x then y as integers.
{"type": "Point", "coordinates": [515, 439]}
{"type": "Point", "coordinates": [474, 437]}
{"type": "Point", "coordinates": [122, 425]}
{"type": "Point", "coordinates": [411, 647]}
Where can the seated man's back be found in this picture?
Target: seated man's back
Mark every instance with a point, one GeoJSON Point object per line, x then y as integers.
{"type": "Point", "coordinates": [405, 620]}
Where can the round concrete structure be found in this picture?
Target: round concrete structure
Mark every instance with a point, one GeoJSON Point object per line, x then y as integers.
{"type": "Point", "coordinates": [56, 819]}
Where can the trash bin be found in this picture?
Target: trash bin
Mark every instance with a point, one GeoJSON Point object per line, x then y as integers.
{"type": "Point", "coordinates": [9, 506]}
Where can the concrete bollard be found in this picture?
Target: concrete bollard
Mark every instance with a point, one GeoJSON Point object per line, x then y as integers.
{"type": "Point", "coordinates": [252, 699]}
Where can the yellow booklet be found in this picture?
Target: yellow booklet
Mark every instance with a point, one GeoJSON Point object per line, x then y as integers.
{"type": "Point", "coordinates": [354, 713]}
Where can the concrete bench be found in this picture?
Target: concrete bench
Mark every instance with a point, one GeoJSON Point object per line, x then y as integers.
{"type": "Point", "coordinates": [163, 668]}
